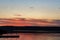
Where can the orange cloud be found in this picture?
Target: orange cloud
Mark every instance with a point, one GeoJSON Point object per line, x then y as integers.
{"type": "Point", "coordinates": [20, 22]}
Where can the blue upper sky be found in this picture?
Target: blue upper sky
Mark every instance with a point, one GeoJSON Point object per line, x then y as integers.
{"type": "Point", "coordinates": [30, 8]}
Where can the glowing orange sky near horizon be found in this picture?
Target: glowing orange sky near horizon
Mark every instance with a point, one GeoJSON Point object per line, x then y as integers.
{"type": "Point", "coordinates": [14, 22]}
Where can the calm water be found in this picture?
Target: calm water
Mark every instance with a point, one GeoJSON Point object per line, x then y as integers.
{"type": "Point", "coordinates": [32, 36]}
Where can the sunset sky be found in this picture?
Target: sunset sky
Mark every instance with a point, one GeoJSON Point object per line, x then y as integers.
{"type": "Point", "coordinates": [40, 9]}
{"type": "Point", "coordinates": [49, 9]}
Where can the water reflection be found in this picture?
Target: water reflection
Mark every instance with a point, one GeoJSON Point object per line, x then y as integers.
{"type": "Point", "coordinates": [40, 36]}
{"type": "Point", "coordinates": [35, 36]}
{"type": "Point", "coordinates": [46, 36]}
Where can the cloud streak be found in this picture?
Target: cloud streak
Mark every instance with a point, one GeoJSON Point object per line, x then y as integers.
{"type": "Point", "coordinates": [35, 22]}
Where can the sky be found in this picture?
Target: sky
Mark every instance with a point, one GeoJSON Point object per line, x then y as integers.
{"type": "Point", "coordinates": [44, 9]}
